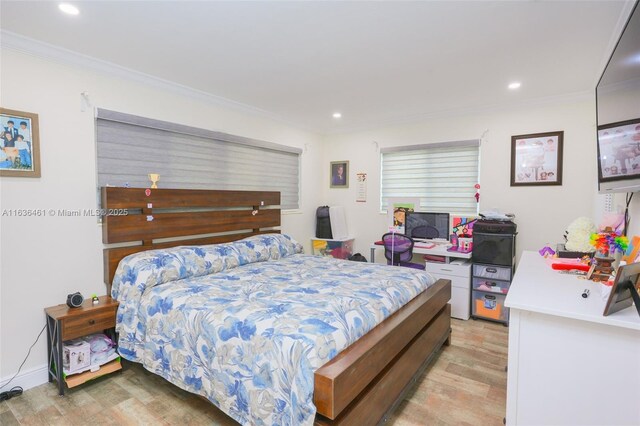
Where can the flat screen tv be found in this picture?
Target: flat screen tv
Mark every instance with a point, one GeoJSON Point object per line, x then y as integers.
{"type": "Point", "coordinates": [618, 113]}
{"type": "Point", "coordinates": [427, 226]}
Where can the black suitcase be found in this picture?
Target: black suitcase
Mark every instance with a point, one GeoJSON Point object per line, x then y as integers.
{"type": "Point", "coordinates": [323, 223]}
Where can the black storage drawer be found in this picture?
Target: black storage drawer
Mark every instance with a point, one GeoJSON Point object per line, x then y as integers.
{"type": "Point", "coordinates": [494, 249]}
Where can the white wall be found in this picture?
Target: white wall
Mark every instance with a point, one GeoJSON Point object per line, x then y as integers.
{"type": "Point", "coordinates": [542, 213]}
{"type": "Point", "coordinates": [45, 258]}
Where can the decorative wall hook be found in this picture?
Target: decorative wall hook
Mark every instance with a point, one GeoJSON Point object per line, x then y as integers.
{"type": "Point", "coordinates": [85, 102]}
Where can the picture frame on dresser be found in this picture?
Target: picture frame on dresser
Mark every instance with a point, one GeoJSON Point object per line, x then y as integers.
{"type": "Point", "coordinates": [625, 290]}
{"type": "Point", "coordinates": [536, 159]}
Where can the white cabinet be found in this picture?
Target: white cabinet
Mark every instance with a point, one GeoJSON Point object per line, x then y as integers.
{"type": "Point", "coordinates": [569, 364]}
{"type": "Point", "coordinates": [459, 272]}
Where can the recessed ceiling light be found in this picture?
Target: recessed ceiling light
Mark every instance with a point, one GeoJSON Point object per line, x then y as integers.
{"type": "Point", "coordinates": [69, 9]}
{"type": "Point", "coordinates": [337, 115]}
{"type": "Point", "coordinates": [515, 85]}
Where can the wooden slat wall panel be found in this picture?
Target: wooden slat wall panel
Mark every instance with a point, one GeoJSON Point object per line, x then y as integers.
{"type": "Point", "coordinates": [339, 382]}
{"type": "Point", "coordinates": [118, 229]}
{"type": "Point", "coordinates": [135, 198]}
{"type": "Point", "coordinates": [177, 214]}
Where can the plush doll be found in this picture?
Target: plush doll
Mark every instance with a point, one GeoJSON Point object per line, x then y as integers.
{"type": "Point", "coordinates": [578, 235]}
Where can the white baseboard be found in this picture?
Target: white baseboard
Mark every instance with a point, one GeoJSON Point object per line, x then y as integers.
{"type": "Point", "coordinates": [27, 379]}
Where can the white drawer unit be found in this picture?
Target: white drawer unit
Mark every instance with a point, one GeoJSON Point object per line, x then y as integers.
{"type": "Point", "coordinates": [456, 268]}
{"type": "Point", "coordinates": [459, 272]}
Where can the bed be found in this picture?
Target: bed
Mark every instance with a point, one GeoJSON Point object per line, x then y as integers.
{"type": "Point", "coordinates": [266, 333]}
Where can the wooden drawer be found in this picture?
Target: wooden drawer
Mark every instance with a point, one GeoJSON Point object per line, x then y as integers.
{"type": "Point", "coordinates": [93, 321]}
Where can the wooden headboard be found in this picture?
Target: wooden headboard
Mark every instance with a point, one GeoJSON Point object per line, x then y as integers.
{"type": "Point", "coordinates": [144, 216]}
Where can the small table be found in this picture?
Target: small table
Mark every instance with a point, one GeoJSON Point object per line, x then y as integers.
{"type": "Point", "coordinates": [65, 323]}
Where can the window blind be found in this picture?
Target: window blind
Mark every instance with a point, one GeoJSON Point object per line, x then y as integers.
{"type": "Point", "coordinates": [130, 147]}
{"type": "Point", "coordinates": [442, 175]}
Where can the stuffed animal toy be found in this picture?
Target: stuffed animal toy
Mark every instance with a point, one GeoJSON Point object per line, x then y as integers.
{"type": "Point", "coordinates": [578, 235]}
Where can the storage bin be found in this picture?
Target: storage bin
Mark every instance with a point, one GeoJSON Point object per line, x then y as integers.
{"type": "Point", "coordinates": [490, 306]}
{"type": "Point", "coordinates": [490, 271]}
{"type": "Point", "coordinates": [493, 286]}
{"type": "Point", "coordinates": [340, 249]}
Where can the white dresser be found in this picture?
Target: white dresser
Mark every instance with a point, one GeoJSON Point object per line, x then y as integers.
{"type": "Point", "coordinates": [569, 364]}
{"type": "Point", "coordinates": [459, 272]}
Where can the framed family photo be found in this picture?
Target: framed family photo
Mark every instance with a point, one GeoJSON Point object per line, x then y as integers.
{"type": "Point", "coordinates": [19, 144]}
{"type": "Point", "coordinates": [536, 159]}
{"type": "Point", "coordinates": [339, 174]}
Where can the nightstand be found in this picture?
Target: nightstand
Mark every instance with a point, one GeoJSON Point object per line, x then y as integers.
{"type": "Point", "coordinates": [65, 323]}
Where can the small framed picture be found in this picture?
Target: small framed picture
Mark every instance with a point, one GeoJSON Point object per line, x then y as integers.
{"type": "Point", "coordinates": [339, 174]}
{"type": "Point", "coordinates": [19, 144]}
{"type": "Point", "coordinates": [625, 290]}
{"type": "Point", "coordinates": [536, 159]}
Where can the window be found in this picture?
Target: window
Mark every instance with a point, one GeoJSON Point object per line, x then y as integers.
{"type": "Point", "coordinates": [131, 147]}
{"type": "Point", "coordinates": [442, 175]}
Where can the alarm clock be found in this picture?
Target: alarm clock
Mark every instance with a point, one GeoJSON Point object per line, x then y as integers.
{"type": "Point", "coordinates": [75, 300]}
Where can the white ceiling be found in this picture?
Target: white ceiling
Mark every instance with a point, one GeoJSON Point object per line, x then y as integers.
{"type": "Point", "coordinates": [376, 62]}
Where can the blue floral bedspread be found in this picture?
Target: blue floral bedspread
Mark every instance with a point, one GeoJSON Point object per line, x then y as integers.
{"type": "Point", "coordinates": [247, 323]}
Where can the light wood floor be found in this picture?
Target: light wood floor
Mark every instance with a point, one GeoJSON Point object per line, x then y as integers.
{"type": "Point", "coordinates": [466, 385]}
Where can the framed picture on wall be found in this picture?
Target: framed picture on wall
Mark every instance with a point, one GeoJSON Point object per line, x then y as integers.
{"type": "Point", "coordinates": [19, 144]}
{"type": "Point", "coordinates": [536, 159]}
{"type": "Point", "coordinates": [339, 174]}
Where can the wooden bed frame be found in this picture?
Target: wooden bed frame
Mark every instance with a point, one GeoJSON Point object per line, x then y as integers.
{"type": "Point", "coordinates": [360, 385]}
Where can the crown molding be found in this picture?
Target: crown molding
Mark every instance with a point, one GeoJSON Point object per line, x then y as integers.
{"type": "Point", "coordinates": [29, 46]}
{"type": "Point", "coordinates": [26, 45]}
